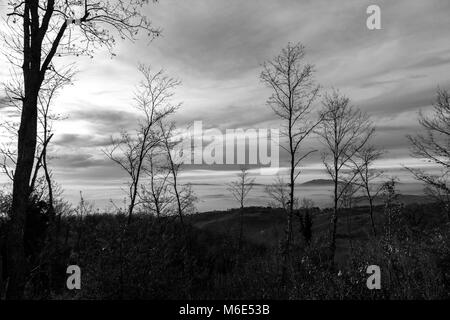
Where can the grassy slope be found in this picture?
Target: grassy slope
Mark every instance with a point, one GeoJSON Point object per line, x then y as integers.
{"type": "Point", "coordinates": [265, 226]}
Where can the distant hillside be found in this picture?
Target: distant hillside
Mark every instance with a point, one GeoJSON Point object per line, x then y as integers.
{"type": "Point", "coordinates": [406, 199]}
{"type": "Point", "coordinates": [262, 225]}
{"type": "Point", "coordinates": [317, 182]}
{"type": "Point", "coordinates": [266, 226]}
{"type": "Point", "coordinates": [325, 182]}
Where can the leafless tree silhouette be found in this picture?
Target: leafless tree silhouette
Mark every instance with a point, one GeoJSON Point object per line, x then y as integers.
{"type": "Point", "coordinates": [434, 147]}
{"type": "Point", "coordinates": [183, 194]}
{"type": "Point", "coordinates": [155, 196]}
{"type": "Point", "coordinates": [294, 92]}
{"type": "Point", "coordinates": [131, 151]}
{"type": "Point", "coordinates": [240, 189]}
{"type": "Point", "coordinates": [50, 88]}
{"type": "Point", "coordinates": [344, 131]}
{"type": "Point", "coordinates": [46, 118]}
{"type": "Point", "coordinates": [362, 162]}
{"type": "Point", "coordinates": [278, 191]}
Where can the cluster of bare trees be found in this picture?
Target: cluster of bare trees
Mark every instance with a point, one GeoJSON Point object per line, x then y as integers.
{"type": "Point", "coordinates": [350, 156]}
{"type": "Point", "coordinates": [344, 130]}
{"type": "Point", "coordinates": [36, 33]}
{"type": "Point", "coordinates": [148, 154]}
{"type": "Point", "coordinates": [347, 135]}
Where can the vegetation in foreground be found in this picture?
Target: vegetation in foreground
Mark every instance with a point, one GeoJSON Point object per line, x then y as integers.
{"type": "Point", "coordinates": [159, 258]}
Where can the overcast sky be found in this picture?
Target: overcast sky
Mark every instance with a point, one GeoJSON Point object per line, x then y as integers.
{"type": "Point", "coordinates": [216, 49]}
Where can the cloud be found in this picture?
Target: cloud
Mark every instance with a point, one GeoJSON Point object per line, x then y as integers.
{"type": "Point", "coordinates": [3, 102]}
{"type": "Point", "coordinates": [399, 101]}
{"type": "Point", "coordinates": [81, 140]}
{"type": "Point", "coordinates": [103, 121]}
{"type": "Point", "coordinates": [432, 62]}
{"type": "Point", "coordinates": [75, 160]}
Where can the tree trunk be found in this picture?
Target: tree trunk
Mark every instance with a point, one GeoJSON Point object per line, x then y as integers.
{"type": "Point", "coordinates": [177, 195]}
{"type": "Point", "coordinates": [21, 192]}
{"type": "Point", "coordinates": [290, 213]}
{"type": "Point", "coordinates": [371, 217]}
{"type": "Point", "coordinates": [291, 194]}
{"type": "Point", "coordinates": [132, 202]}
{"type": "Point", "coordinates": [288, 231]}
{"type": "Point", "coordinates": [334, 219]}
{"type": "Point", "coordinates": [241, 228]}
{"type": "Point", "coordinates": [26, 148]}
{"type": "Point", "coordinates": [175, 188]}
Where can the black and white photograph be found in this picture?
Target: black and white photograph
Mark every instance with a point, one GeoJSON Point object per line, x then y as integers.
{"type": "Point", "coordinates": [224, 150]}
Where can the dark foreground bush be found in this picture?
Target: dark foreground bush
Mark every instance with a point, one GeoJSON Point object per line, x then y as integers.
{"type": "Point", "coordinates": [162, 259]}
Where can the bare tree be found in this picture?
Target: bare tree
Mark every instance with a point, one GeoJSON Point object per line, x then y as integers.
{"type": "Point", "coordinates": [50, 88]}
{"type": "Point", "coordinates": [392, 208]}
{"type": "Point", "coordinates": [8, 159]}
{"type": "Point", "coordinates": [156, 197]}
{"type": "Point", "coordinates": [363, 161]}
{"type": "Point", "coordinates": [46, 118]}
{"type": "Point", "coordinates": [37, 32]}
{"type": "Point", "coordinates": [42, 185]}
{"type": "Point", "coordinates": [131, 151]}
{"type": "Point", "coordinates": [183, 194]}
{"type": "Point", "coordinates": [294, 91]}
{"type": "Point", "coordinates": [278, 191]}
{"type": "Point", "coordinates": [344, 131]}
{"type": "Point", "coordinates": [240, 189]}
{"type": "Point", "coordinates": [188, 198]}
{"type": "Point", "coordinates": [434, 146]}
{"type": "Point", "coordinates": [348, 191]}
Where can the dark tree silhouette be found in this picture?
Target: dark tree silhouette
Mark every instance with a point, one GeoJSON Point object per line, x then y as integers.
{"type": "Point", "coordinates": [131, 151]}
{"type": "Point", "coordinates": [434, 147]}
{"type": "Point", "coordinates": [362, 162]}
{"type": "Point", "coordinates": [278, 191]}
{"type": "Point", "coordinates": [40, 31]}
{"type": "Point", "coordinates": [240, 189]}
{"type": "Point", "coordinates": [294, 92]}
{"type": "Point", "coordinates": [155, 196]}
{"type": "Point", "coordinates": [344, 131]}
{"type": "Point", "coordinates": [184, 196]}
